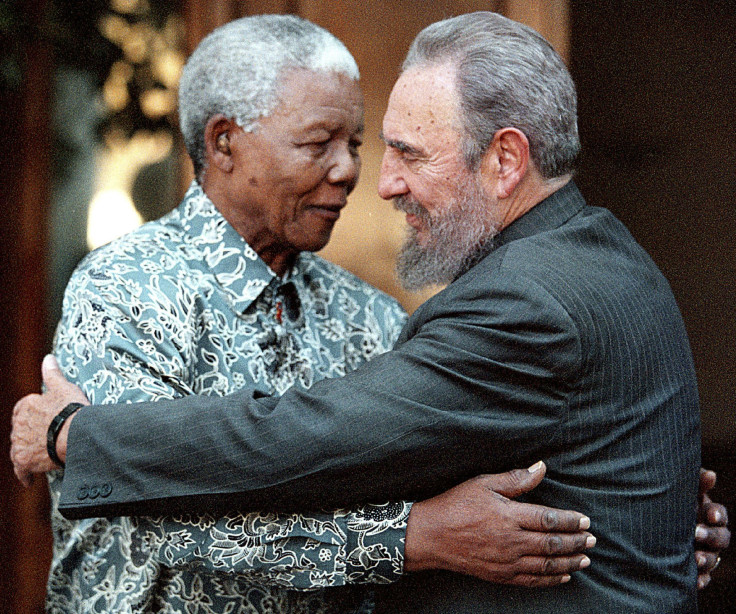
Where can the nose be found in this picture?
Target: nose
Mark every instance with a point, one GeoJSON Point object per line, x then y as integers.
{"type": "Point", "coordinates": [345, 168]}
{"type": "Point", "coordinates": [390, 182]}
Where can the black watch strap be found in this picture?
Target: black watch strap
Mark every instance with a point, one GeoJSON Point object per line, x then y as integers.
{"type": "Point", "coordinates": [55, 428]}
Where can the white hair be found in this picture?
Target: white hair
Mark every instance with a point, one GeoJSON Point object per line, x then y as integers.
{"type": "Point", "coordinates": [507, 76]}
{"type": "Point", "coordinates": [236, 69]}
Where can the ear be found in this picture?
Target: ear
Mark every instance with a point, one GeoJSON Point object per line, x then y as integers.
{"type": "Point", "coordinates": [506, 161]}
{"type": "Point", "coordinates": [217, 134]}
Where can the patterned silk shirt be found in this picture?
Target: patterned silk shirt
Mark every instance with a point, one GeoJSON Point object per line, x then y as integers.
{"type": "Point", "coordinates": [184, 306]}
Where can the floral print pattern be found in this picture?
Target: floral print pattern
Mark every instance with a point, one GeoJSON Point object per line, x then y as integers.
{"type": "Point", "coordinates": [184, 306]}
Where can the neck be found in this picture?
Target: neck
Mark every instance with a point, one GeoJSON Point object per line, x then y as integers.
{"type": "Point", "coordinates": [531, 191]}
{"type": "Point", "coordinates": [278, 258]}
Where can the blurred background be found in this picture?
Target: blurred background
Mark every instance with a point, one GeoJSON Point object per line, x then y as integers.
{"type": "Point", "coordinates": [90, 149]}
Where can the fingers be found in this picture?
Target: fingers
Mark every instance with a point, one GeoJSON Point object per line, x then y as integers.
{"type": "Point", "coordinates": [707, 480]}
{"type": "Point", "coordinates": [565, 544]}
{"type": "Point", "coordinates": [18, 440]}
{"type": "Point", "coordinates": [22, 405]}
{"type": "Point", "coordinates": [515, 482]}
{"type": "Point", "coordinates": [24, 477]}
{"type": "Point", "coordinates": [554, 548]}
{"type": "Point", "coordinates": [555, 566]}
{"type": "Point", "coordinates": [50, 371]}
{"type": "Point", "coordinates": [713, 514]}
{"type": "Point", "coordinates": [28, 439]}
{"type": "Point", "coordinates": [57, 386]}
{"type": "Point", "coordinates": [549, 519]}
{"type": "Point", "coordinates": [59, 392]}
{"type": "Point", "coordinates": [536, 571]}
{"type": "Point", "coordinates": [707, 563]}
{"type": "Point", "coordinates": [534, 517]}
{"type": "Point", "coordinates": [475, 530]}
{"type": "Point", "coordinates": [31, 418]}
{"type": "Point", "coordinates": [531, 581]}
{"type": "Point", "coordinates": [712, 538]}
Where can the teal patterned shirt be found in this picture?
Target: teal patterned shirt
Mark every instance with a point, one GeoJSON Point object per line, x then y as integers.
{"type": "Point", "coordinates": [184, 306]}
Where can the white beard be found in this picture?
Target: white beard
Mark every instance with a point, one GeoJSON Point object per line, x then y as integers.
{"type": "Point", "coordinates": [456, 238]}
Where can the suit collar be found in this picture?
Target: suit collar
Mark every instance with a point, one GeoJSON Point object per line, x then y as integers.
{"type": "Point", "coordinates": [551, 213]}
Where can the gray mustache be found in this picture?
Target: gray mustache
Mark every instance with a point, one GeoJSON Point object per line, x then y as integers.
{"type": "Point", "coordinates": [411, 206]}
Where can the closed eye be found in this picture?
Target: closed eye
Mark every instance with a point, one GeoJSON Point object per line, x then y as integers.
{"type": "Point", "coordinates": [406, 151]}
{"type": "Point", "coordinates": [317, 147]}
{"type": "Point", "coordinates": [355, 145]}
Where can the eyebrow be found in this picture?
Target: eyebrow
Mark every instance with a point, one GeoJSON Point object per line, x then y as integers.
{"type": "Point", "coordinates": [401, 146]}
{"type": "Point", "coordinates": [330, 127]}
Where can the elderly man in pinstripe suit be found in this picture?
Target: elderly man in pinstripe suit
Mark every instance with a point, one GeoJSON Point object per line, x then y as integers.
{"type": "Point", "coordinates": [557, 338]}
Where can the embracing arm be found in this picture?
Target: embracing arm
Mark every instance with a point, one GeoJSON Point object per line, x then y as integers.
{"type": "Point", "coordinates": [409, 424]}
{"type": "Point", "coordinates": [521, 543]}
{"type": "Point", "coordinates": [475, 528]}
{"type": "Point", "coordinates": [33, 413]}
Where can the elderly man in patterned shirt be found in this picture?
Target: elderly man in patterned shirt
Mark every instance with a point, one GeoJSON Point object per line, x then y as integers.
{"type": "Point", "coordinates": [222, 293]}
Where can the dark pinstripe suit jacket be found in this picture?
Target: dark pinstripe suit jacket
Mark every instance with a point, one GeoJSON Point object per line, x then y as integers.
{"type": "Point", "coordinates": [563, 344]}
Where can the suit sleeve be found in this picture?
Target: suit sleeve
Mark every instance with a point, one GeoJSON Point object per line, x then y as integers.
{"type": "Point", "coordinates": [481, 385]}
{"type": "Point", "coordinates": [113, 345]}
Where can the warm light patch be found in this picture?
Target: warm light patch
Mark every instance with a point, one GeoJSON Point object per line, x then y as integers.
{"type": "Point", "coordinates": [135, 42]}
{"type": "Point", "coordinates": [166, 64]}
{"type": "Point", "coordinates": [125, 6]}
{"type": "Point", "coordinates": [114, 28]}
{"type": "Point", "coordinates": [111, 214]}
{"type": "Point", "coordinates": [157, 102]}
{"type": "Point", "coordinates": [115, 90]}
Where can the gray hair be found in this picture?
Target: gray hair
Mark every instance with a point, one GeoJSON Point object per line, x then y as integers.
{"type": "Point", "coordinates": [508, 76]}
{"type": "Point", "coordinates": [236, 70]}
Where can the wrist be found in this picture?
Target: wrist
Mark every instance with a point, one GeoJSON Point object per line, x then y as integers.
{"type": "Point", "coordinates": [419, 553]}
{"type": "Point", "coordinates": [58, 432]}
{"type": "Point", "coordinates": [62, 439]}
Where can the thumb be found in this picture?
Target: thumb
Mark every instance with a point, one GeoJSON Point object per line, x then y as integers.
{"type": "Point", "coordinates": [707, 480]}
{"type": "Point", "coordinates": [51, 373]}
{"type": "Point", "coordinates": [57, 385]}
{"type": "Point", "coordinates": [517, 481]}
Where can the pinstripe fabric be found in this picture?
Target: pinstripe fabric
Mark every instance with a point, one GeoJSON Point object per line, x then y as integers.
{"type": "Point", "coordinates": [563, 344]}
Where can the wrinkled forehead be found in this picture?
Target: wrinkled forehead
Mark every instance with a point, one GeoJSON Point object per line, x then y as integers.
{"type": "Point", "coordinates": [305, 96]}
{"type": "Point", "coordinates": [305, 84]}
{"type": "Point", "coordinates": [423, 103]}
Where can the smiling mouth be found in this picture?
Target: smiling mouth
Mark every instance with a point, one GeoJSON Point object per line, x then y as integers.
{"type": "Point", "coordinates": [330, 212]}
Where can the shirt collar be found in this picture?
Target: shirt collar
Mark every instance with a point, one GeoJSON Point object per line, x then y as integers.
{"type": "Point", "coordinates": [237, 267]}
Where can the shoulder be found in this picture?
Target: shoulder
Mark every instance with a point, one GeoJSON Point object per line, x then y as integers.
{"type": "Point", "coordinates": [156, 249]}
{"type": "Point", "coordinates": [580, 271]}
{"type": "Point", "coordinates": [152, 270]}
{"type": "Point", "coordinates": [592, 248]}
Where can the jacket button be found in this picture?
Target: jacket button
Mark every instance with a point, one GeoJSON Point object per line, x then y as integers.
{"type": "Point", "coordinates": [94, 492]}
{"type": "Point", "coordinates": [83, 492]}
{"type": "Point", "coordinates": [105, 490]}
